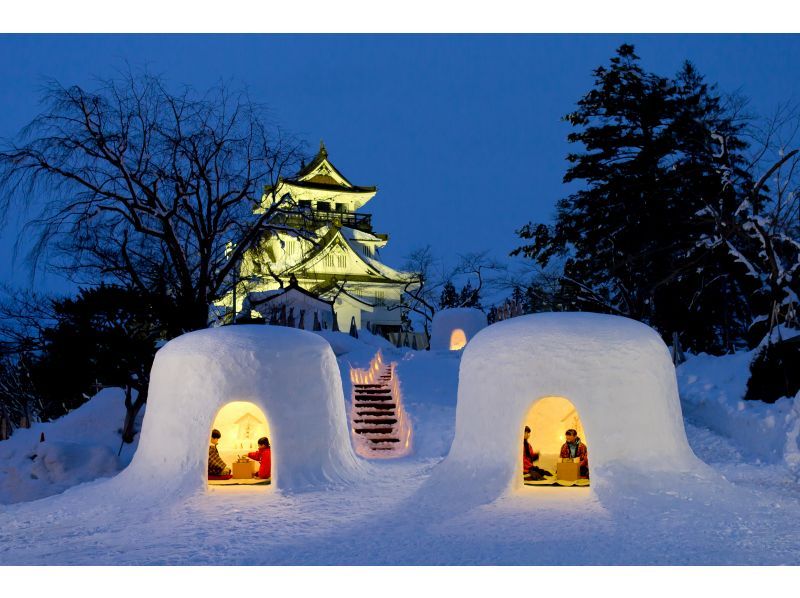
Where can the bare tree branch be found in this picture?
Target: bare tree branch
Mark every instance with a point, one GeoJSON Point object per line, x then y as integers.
{"type": "Point", "coordinates": [139, 185]}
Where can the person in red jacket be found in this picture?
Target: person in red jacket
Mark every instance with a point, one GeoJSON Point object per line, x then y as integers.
{"type": "Point", "coordinates": [529, 470]}
{"type": "Point", "coordinates": [264, 456]}
{"type": "Point", "coordinates": [573, 448]}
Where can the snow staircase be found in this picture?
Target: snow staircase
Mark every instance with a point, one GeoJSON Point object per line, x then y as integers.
{"type": "Point", "coordinates": [378, 422]}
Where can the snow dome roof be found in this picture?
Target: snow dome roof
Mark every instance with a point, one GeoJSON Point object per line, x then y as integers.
{"type": "Point", "coordinates": [445, 322]}
{"type": "Point", "coordinates": [290, 374]}
{"type": "Point", "coordinates": [616, 372]}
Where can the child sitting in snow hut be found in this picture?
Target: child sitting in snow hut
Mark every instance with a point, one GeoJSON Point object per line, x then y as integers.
{"type": "Point", "coordinates": [529, 470]}
{"type": "Point", "coordinates": [573, 448]}
{"type": "Point", "coordinates": [216, 466]}
{"type": "Point", "coordinates": [264, 456]}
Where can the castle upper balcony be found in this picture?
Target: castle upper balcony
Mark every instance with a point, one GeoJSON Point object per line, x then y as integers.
{"type": "Point", "coordinates": [307, 218]}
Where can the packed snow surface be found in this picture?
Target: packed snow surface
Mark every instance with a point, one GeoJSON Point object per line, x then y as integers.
{"type": "Point", "coordinates": [449, 325]}
{"type": "Point", "coordinates": [749, 513]}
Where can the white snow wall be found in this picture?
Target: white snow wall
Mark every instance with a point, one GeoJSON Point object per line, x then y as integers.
{"type": "Point", "coordinates": [290, 374]}
{"type": "Point", "coordinates": [617, 373]}
{"type": "Point", "coordinates": [468, 319]}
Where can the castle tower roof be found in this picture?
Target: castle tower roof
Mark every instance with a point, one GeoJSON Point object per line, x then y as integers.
{"type": "Point", "coordinates": [321, 172]}
{"type": "Point", "coordinates": [320, 180]}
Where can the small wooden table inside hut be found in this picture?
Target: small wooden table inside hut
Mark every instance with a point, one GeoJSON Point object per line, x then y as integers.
{"type": "Point", "coordinates": [243, 470]}
{"type": "Point", "coordinates": [566, 469]}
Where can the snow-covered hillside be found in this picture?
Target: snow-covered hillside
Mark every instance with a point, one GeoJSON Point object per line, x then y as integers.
{"type": "Point", "coordinates": [712, 391]}
{"type": "Point", "coordinates": [82, 446]}
{"type": "Point", "coordinates": [750, 514]}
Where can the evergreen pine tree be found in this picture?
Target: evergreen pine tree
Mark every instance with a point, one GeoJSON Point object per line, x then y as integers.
{"type": "Point", "coordinates": [630, 236]}
{"type": "Point", "coordinates": [449, 297]}
{"type": "Point", "coordinates": [106, 334]}
{"type": "Point", "coordinates": [702, 296]}
{"type": "Point", "coordinates": [469, 297]}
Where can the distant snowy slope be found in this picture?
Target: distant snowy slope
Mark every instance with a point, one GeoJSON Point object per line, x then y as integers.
{"type": "Point", "coordinates": [342, 342]}
{"type": "Point", "coordinates": [79, 447]}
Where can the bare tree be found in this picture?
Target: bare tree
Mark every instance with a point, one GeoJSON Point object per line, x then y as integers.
{"type": "Point", "coordinates": [487, 273]}
{"type": "Point", "coordinates": [24, 315]}
{"type": "Point", "coordinates": [763, 232]}
{"type": "Point", "coordinates": [19, 401]}
{"type": "Point", "coordinates": [141, 186]}
{"type": "Point", "coordinates": [532, 289]}
{"type": "Point", "coordinates": [421, 291]}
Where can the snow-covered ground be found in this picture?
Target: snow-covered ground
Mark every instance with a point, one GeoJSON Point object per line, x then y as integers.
{"type": "Point", "coordinates": [80, 447]}
{"type": "Point", "coordinates": [394, 514]}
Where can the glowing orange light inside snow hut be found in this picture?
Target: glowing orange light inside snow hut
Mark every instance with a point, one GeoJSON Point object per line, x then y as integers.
{"type": "Point", "coordinates": [457, 339]}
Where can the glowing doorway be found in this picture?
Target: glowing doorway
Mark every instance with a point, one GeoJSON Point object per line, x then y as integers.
{"type": "Point", "coordinates": [240, 424]}
{"type": "Point", "coordinates": [549, 418]}
{"type": "Point", "coordinates": [457, 339]}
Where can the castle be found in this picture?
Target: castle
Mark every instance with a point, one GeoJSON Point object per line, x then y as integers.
{"type": "Point", "coordinates": [326, 263]}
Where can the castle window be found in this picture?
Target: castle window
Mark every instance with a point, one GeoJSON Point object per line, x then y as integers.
{"type": "Point", "coordinates": [305, 204]}
{"type": "Point", "coordinates": [324, 206]}
{"type": "Point", "coordinates": [340, 207]}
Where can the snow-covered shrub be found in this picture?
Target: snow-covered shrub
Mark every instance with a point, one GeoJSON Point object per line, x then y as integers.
{"type": "Point", "coordinates": [775, 372]}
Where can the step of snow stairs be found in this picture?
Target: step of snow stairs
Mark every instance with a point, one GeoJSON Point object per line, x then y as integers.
{"type": "Point", "coordinates": [378, 423]}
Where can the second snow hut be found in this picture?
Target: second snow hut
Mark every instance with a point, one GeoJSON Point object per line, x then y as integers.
{"type": "Point", "coordinates": [615, 372]}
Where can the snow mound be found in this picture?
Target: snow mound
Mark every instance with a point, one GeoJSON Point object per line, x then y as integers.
{"type": "Point", "coordinates": [79, 447]}
{"type": "Point", "coordinates": [290, 374]}
{"type": "Point", "coordinates": [342, 342]}
{"type": "Point", "coordinates": [447, 323]}
{"type": "Point", "coordinates": [615, 371]}
{"type": "Point", "coordinates": [429, 380]}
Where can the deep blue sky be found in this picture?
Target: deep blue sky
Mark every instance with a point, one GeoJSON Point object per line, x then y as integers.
{"type": "Point", "coordinates": [461, 133]}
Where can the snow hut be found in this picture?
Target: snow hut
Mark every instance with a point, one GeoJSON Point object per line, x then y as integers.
{"type": "Point", "coordinates": [616, 373]}
{"type": "Point", "coordinates": [453, 328]}
{"type": "Point", "coordinates": [286, 380]}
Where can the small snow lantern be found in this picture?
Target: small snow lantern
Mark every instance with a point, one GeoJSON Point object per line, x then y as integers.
{"type": "Point", "coordinates": [453, 328]}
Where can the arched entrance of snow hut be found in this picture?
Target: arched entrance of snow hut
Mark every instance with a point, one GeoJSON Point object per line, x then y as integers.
{"type": "Point", "coordinates": [458, 339]}
{"type": "Point", "coordinates": [240, 424]}
{"type": "Point", "coordinates": [549, 418]}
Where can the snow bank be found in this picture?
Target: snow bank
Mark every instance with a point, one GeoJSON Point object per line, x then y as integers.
{"type": "Point", "coordinates": [712, 390]}
{"type": "Point", "coordinates": [79, 447]}
{"type": "Point", "coordinates": [290, 374]}
{"type": "Point", "coordinates": [615, 371]}
{"type": "Point", "coordinates": [342, 342]}
{"type": "Point", "coordinates": [430, 384]}
{"type": "Point", "coordinates": [446, 322]}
